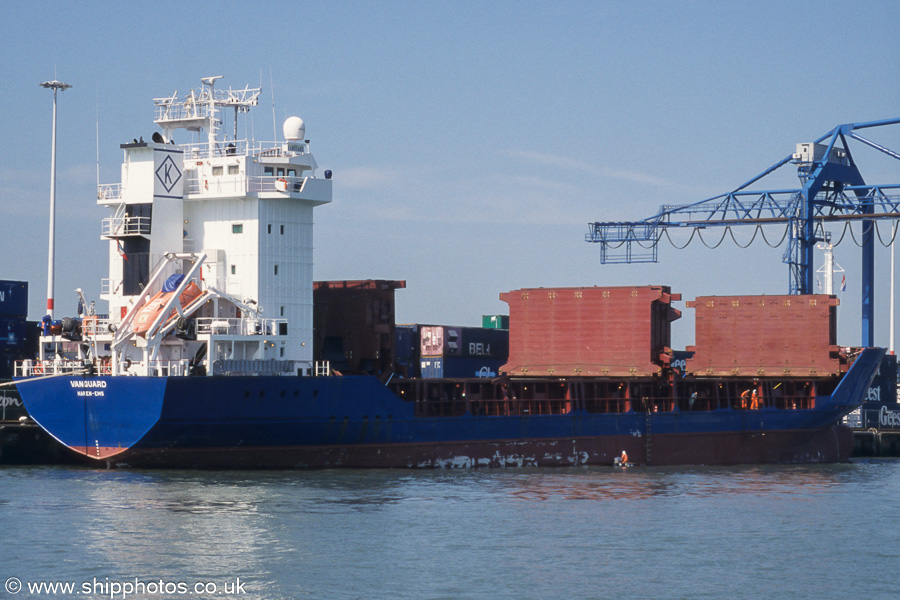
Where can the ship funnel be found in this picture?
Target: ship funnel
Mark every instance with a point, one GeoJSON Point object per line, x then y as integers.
{"type": "Point", "coordinates": [294, 129]}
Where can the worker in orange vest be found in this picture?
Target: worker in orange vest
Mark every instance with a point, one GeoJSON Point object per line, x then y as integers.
{"type": "Point", "coordinates": [754, 400]}
{"type": "Point", "coordinates": [745, 399]}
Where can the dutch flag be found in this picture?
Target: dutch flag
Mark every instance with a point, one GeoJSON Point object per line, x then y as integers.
{"type": "Point", "coordinates": [843, 283]}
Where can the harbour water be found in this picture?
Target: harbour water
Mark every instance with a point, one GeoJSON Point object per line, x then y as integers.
{"type": "Point", "coordinates": [820, 531]}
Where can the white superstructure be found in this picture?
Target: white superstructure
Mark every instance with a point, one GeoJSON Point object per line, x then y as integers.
{"type": "Point", "coordinates": [235, 217]}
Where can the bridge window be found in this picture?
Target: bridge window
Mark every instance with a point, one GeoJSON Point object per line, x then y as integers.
{"type": "Point", "coordinates": [217, 170]}
{"type": "Point", "coordinates": [237, 228]}
{"type": "Point", "coordinates": [234, 169]}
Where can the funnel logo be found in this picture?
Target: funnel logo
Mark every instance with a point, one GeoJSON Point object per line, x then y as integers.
{"type": "Point", "coordinates": [168, 174]}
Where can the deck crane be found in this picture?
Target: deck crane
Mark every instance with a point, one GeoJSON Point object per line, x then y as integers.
{"type": "Point", "coordinates": [833, 190]}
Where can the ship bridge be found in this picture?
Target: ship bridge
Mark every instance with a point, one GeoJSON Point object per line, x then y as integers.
{"type": "Point", "coordinates": [244, 205]}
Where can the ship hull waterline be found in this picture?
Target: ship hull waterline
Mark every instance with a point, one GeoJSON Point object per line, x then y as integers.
{"type": "Point", "coordinates": [304, 422]}
{"type": "Point", "coordinates": [832, 444]}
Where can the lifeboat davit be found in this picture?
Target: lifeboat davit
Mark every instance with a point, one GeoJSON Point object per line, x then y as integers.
{"type": "Point", "coordinates": [150, 311]}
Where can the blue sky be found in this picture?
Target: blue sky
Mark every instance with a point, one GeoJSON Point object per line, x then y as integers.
{"type": "Point", "coordinates": [472, 142]}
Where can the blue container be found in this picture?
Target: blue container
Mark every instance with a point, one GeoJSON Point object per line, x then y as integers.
{"type": "Point", "coordinates": [12, 333]}
{"type": "Point", "coordinates": [679, 361]}
{"type": "Point", "coordinates": [453, 367]}
{"type": "Point", "coordinates": [406, 350]}
{"type": "Point", "coordinates": [7, 361]}
{"type": "Point", "coordinates": [13, 298]}
{"type": "Point", "coordinates": [406, 342]}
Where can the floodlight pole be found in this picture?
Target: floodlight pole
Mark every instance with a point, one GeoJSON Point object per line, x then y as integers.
{"type": "Point", "coordinates": [55, 86]}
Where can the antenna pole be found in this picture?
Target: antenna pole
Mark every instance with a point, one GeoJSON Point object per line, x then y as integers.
{"type": "Point", "coordinates": [55, 86]}
{"type": "Point", "coordinates": [98, 140]}
{"type": "Point", "coordinates": [891, 341]}
{"type": "Point", "coordinates": [274, 123]}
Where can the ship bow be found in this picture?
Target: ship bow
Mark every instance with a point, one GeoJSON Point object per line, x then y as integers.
{"type": "Point", "coordinates": [97, 417]}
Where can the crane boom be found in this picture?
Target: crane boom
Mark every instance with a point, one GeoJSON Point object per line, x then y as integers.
{"type": "Point", "coordinates": [833, 190]}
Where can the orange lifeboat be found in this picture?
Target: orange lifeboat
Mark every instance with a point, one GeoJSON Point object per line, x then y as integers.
{"type": "Point", "coordinates": [150, 311]}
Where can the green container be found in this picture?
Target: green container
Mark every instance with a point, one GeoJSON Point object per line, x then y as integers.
{"type": "Point", "coordinates": [495, 321]}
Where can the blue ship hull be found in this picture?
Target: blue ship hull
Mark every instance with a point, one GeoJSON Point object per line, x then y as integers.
{"type": "Point", "coordinates": [307, 422]}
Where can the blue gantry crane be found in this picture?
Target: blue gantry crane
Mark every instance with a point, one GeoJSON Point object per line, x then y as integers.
{"type": "Point", "coordinates": [833, 190]}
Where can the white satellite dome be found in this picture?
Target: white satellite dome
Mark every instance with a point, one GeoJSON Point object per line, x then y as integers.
{"type": "Point", "coordinates": [294, 129]}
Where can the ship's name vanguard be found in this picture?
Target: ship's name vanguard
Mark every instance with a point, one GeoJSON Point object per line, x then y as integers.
{"type": "Point", "coordinates": [88, 383]}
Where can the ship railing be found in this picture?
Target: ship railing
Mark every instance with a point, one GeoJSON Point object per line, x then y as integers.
{"type": "Point", "coordinates": [277, 183]}
{"type": "Point", "coordinates": [125, 226]}
{"type": "Point", "coordinates": [227, 148]}
{"type": "Point", "coordinates": [253, 367]}
{"type": "Point", "coordinates": [177, 110]}
{"type": "Point", "coordinates": [43, 368]}
{"type": "Point", "coordinates": [439, 397]}
{"type": "Point", "coordinates": [219, 185]}
{"type": "Point", "coordinates": [108, 286]}
{"type": "Point", "coordinates": [109, 191]}
{"type": "Point", "coordinates": [168, 368]}
{"type": "Point", "coordinates": [241, 326]}
{"type": "Point", "coordinates": [239, 185]}
{"type": "Point", "coordinates": [92, 325]}
{"type": "Point", "coordinates": [200, 150]}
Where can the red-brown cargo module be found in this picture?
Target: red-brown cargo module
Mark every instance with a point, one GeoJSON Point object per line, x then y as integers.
{"type": "Point", "coordinates": [353, 325]}
{"type": "Point", "coordinates": [762, 336]}
{"type": "Point", "coordinates": [590, 331]}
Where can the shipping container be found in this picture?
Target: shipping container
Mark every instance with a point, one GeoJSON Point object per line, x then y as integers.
{"type": "Point", "coordinates": [12, 333]}
{"type": "Point", "coordinates": [445, 340]}
{"type": "Point", "coordinates": [13, 298]}
{"type": "Point", "coordinates": [406, 349]}
{"type": "Point", "coordinates": [765, 336]}
{"type": "Point", "coordinates": [7, 361]}
{"type": "Point", "coordinates": [353, 325]}
{"type": "Point", "coordinates": [460, 367]}
{"type": "Point", "coordinates": [679, 361]}
{"type": "Point", "coordinates": [33, 339]}
{"type": "Point", "coordinates": [495, 321]}
{"type": "Point", "coordinates": [593, 331]}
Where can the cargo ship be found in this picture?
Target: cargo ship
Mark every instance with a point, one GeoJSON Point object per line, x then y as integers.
{"type": "Point", "coordinates": [206, 356]}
